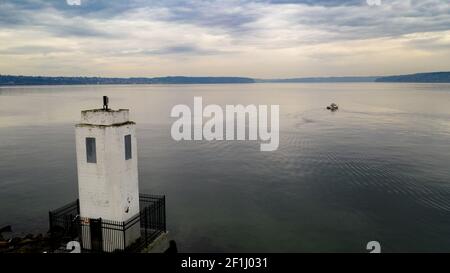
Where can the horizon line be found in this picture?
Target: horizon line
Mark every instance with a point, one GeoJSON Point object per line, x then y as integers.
{"type": "Point", "coordinates": [247, 77]}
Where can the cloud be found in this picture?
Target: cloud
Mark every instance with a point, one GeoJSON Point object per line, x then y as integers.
{"type": "Point", "coordinates": [73, 2]}
{"type": "Point", "coordinates": [252, 34]}
{"type": "Point", "coordinates": [31, 50]}
{"type": "Point", "coordinates": [344, 17]}
{"type": "Point", "coordinates": [373, 2]}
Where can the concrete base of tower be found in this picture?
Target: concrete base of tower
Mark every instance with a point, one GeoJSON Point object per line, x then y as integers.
{"type": "Point", "coordinates": [159, 245]}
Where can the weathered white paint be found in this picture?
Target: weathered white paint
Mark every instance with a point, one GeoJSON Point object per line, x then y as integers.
{"type": "Point", "coordinates": [109, 188]}
{"type": "Point", "coordinates": [105, 117]}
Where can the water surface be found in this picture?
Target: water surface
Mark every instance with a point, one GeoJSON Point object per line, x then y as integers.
{"type": "Point", "coordinates": [377, 169]}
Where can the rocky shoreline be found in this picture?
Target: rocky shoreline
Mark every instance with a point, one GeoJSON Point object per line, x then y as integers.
{"type": "Point", "coordinates": [28, 244]}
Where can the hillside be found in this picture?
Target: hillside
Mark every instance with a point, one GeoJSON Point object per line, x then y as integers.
{"type": "Point", "coordinates": [38, 80]}
{"type": "Point", "coordinates": [434, 77]}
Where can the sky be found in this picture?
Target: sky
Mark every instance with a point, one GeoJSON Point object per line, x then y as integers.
{"type": "Point", "coordinates": [260, 39]}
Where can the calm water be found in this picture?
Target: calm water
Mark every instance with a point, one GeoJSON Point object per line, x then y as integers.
{"type": "Point", "coordinates": [378, 169]}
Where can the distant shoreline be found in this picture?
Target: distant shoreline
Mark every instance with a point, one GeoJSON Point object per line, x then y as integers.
{"type": "Point", "coordinates": [13, 80]}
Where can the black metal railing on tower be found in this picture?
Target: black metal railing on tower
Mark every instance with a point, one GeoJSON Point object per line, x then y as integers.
{"type": "Point", "coordinates": [103, 235]}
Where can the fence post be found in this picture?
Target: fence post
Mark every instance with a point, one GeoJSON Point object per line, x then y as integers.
{"type": "Point", "coordinates": [50, 220]}
{"type": "Point", "coordinates": [124, 236]}
{"type": "Point", "coordinates": [80, 230]}
{"type": "Point", "coordinates": [145, 225]}
{"type": "Point", "coordinates": [164, 212]}
{"type": "Point", "coordinates": [78, 206]}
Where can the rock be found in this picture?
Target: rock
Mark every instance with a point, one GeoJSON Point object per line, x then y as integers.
{"type": "Point", "coordinates": [15, 241]}
{"type": "Point", "coordinates": [25, 242]}
{"type": "Point", "coordinates": [172, 248]}
{"type": "Point", "coordinates": [4, 244]}
{"type": "Point", "coordinates": [5, 229]}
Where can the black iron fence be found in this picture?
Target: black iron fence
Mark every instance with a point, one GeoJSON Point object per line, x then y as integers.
{"type": "Point", "coordinates": [64, 224]}
{"type": "Point", "coordinates": [102, 235]}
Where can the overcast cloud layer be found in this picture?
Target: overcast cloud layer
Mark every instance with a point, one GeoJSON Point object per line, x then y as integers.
{"type": "Point", "coordinates": [223, 38]}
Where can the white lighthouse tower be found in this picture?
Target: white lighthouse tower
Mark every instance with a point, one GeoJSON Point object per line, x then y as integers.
{"type": "Point", "coordinates": [107, 175]}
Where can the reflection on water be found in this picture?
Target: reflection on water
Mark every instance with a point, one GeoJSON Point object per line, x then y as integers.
{"type": "Point", "coordinates": [377, 169]}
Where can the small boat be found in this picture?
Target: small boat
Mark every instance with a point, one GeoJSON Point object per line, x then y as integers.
{"type": "Point", "coordinates": [333, 107]}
